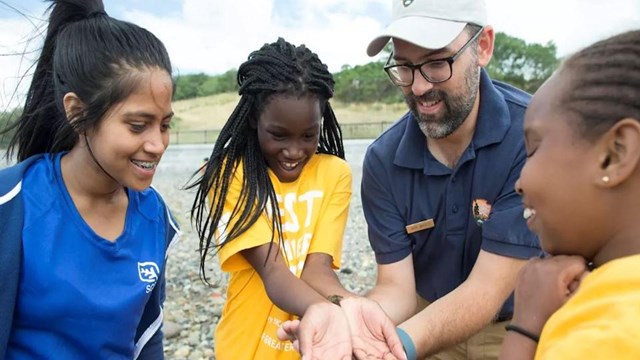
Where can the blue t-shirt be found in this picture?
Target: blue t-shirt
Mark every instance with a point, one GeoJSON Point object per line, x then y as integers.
{"type": "Point", "coordinates": [81, 296]}
{"type": "Point", "coordinates": [403, 184]}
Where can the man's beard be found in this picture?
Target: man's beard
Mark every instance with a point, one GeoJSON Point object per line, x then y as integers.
{"type": "Point", "coordinates": [457, 107]}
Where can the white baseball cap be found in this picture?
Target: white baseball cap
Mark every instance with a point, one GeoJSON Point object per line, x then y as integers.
{"type": "Point", "coordinates": [430, 24]}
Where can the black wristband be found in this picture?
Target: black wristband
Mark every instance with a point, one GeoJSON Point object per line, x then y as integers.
{"type": "Point", "coordinates": [522, 332]}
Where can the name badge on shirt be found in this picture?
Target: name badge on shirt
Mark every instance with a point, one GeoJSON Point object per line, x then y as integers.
{"type": "Point", "coordinates": [419, 226]}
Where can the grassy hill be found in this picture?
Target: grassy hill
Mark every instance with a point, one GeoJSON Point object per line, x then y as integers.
{"type": "Point", "coordinates": [211, 112]}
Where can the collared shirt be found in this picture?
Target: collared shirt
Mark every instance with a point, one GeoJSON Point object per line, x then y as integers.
{"type": "Point", "coordinates": [403, 184]}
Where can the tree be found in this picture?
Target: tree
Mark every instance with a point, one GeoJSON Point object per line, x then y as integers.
{"type": "Point", "coordinates": [226, 82]}
{"type": "Point", "coordinates": [514, 61]}
{"type": "Point", "coordinates": [365, 83]}
{"type": "Point", "coordinates": [523, 65]}
{"type": "Point", "coordinates": [187, 85]}
{"type": "Point", "coordinates": [7, 119]}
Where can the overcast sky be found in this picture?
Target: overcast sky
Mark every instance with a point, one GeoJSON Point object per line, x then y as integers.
{"type": "Point", "coordinates": [213, 36]}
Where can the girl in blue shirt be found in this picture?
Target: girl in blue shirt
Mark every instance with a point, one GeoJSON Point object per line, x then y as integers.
{"type": "Point", "coordinates": [83, 236]}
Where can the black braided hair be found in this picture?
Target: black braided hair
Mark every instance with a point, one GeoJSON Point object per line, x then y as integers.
{"type": "Point", "coordinates": [277, 69]}
{"type": "Point", "coordinates": [606, 83]}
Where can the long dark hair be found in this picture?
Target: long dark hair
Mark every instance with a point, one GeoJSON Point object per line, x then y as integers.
{"type": "Point", "coordinates": [91, 54]}
{"type": "Point", "coordinates": [279, 68]}
{"type": "Point", "coordinates": [606, 85]}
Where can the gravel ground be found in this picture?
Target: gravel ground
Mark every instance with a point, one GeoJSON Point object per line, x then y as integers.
{"type": "Point", "coordinates": [196, 307]}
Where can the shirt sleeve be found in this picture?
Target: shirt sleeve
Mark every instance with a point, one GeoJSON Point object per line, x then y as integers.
{"type": "Point", "coordinates": [604, 330]}
{"type": "Point", "coordinates": [329, 233]}
{"type": "Point", "coordinates": [592, 343]}
{"type": "Point", "coordinates": [386, 227]}
{"type": "Point", "coordinates": [153, 349]}
{"type": "Point", "coordinates": [259, 233]}
{"type": "Point", "coordinates": [506, 232]}
{"type": "Point", "coordinates": [601, 320]}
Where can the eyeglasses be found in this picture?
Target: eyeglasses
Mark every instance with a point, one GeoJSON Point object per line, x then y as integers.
{"type": "Point", "coordinates": [434, 71]}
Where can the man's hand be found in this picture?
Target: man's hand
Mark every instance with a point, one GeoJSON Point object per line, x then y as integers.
{"type": "Point", "coordinates": [373, 335]}
{"type": "Point", "coordinates": [321, 334]}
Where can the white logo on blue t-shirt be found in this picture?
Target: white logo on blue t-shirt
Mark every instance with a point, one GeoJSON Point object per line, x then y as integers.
{"type": "Point", "coordinates": [148, 272]}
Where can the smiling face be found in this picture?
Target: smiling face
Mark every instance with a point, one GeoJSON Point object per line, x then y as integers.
{"type": "Point", "coordinates": [133, 135]}
{"type": "Point", "coordinates": [288, 133]}
{"type": "Point", "coordinates": [440, 108]}
{"type": "Point", "coordinates": [562, 203]}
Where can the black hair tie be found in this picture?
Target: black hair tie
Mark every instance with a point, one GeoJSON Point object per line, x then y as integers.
{"type": "Point", "coordinates": [97, 13]}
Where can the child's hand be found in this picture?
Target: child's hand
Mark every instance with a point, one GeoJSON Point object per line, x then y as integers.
{"type": "Point", "coordinates": [544, 285]}
{"type": "Point", "coordinates": [322, 333]}
{"type": "Point", "coordinates": [372, 332]}
{"type": "Point", "coordinates": [288, 332]}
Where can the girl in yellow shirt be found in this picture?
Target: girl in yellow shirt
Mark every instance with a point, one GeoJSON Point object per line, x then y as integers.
{"type": "Point", "coordinates": [273, 201]}
{"type": "Point", "coordinates": [580, 187]}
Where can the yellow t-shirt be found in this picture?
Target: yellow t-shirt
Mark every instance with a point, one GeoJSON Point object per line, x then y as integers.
{"type": "Point", "coordinates": [602, 319]}
{"type": "Point", "coordinates": [314, 212]}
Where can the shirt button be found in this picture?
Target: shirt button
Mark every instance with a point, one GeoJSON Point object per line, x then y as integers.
{"type": "Point", "coordinates": [455, 209]}
{"type": "Point", "coordinates": [453, 179]}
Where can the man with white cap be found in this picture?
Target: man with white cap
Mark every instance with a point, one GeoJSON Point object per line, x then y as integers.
{"type": "Point", "coordinates": [438, 192]}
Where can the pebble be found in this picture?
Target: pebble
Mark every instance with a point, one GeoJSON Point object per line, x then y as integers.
{"type": "Point", "coordinates": [171, 329]}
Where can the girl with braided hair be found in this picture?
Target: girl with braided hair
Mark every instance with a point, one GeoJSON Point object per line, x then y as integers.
{"type": "Point", "coordinates": [580, 187]}
{"type": "Point", "coordinates": [273, 203]}
{"type": "Point", "coordinates": [83, 236]}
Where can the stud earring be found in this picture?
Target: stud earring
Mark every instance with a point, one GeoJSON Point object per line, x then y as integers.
{"type": "Point", "coordinates": [605, 179]}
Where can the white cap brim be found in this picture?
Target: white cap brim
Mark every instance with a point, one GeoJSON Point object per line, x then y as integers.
{"type": "Point", "coordinates": [425, 32]}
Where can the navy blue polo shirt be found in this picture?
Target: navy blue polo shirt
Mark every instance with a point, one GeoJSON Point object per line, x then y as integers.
{"type": "Point", "coordinates": [403, 184]}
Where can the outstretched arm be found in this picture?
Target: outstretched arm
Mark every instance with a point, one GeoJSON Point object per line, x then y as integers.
{"type": "Point", "coordinates": [395, 289]}
{"type": "Point", "coordinates": [283, 288]}
{"type": "Point", "coordinates": [448, 321]}
{"type": "Point", "coordinates": [319, 274]}
{"type": "Point", "coordinates": [328, 335]}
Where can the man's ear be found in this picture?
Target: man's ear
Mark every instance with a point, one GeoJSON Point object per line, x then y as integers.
{"type": "Point", "coordinates": [621, 152]}
{"type": "Point", "coordinates": [73, 106]}
{"type": "Point", "coordinates": [485, 46]}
